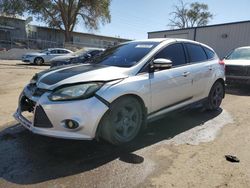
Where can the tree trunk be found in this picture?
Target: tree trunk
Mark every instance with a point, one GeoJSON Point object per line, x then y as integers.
{"type": "Point", "coordinates": [67, 35]}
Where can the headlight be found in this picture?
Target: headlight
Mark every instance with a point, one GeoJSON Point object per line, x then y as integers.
{"type": "Point", "coordinates": [34, 79]}
{"type": "Point", "coordinates": [28, 56]}
{"type": "Point", "coordinates": [79, 91]}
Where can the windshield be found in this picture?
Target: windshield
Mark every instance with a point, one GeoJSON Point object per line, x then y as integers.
{"type": "Point", "coordinates": [124, 55]}
{"type": "Point", "coordinates": [44, 51]}
{"type": "Point", "coordinates": [242, 53]}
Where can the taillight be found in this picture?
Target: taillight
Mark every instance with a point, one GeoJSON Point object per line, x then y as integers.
{"type": "Point", "coordinates": [221, 62]}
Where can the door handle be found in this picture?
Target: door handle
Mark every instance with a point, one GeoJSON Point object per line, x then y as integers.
{"type": "Point", "coordinates": [185, 74]}
{"type": "Point", "coordinates": [210, 67]}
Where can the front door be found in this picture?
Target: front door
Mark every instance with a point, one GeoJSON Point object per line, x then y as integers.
{"type": "Point", "coordinates": [171, 86]}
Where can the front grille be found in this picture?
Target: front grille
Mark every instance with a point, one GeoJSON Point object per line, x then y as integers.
{"type": "Point", "coordinates": [41, 119]}
{"type": "Point", "coordinates": [232, 70]}
{"type": "Point", "coordinates": [26, 104]}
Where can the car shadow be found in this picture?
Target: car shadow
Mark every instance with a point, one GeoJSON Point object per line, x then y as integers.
{"type": "Point", "coordinates": [27, 158]}
{"type": "Point", "coordinates": [241, 90]}
{"type": "Point", "coordinates": [28, 64]}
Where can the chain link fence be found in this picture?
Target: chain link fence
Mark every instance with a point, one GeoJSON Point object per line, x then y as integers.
{"type": "Point", "coordinates": [29, 44]}
{"type": "Point", "coordinates": [38, 44]}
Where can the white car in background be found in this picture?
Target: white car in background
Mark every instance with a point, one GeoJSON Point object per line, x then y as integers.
{"type": "Point", "coordinates": [238, 66]}
{"type": "Point", "coordinates": [44, 56]}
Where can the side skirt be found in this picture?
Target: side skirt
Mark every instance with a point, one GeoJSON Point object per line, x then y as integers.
{"type": "Point", "coordinates": [153, 116]}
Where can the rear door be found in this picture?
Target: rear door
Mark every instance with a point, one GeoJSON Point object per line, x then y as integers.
{"type": "Point", "coordinates": [173, 86]}
{"type": "Point", "coordinates": [200, 67]}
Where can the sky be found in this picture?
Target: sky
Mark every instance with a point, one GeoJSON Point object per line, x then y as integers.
{"type": "Point", "coordinates": [132, 19]}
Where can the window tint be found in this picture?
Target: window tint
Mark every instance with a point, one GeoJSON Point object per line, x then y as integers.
{"type": "Point", "coordinates": [53, 52]}
{"type": "Point", "coordinates": [174, 52]}
{"type": "Point", "coordinates": [210, 53]}
{"type": "Point", "coordinates": [196, 53]}
{"type": "Point", "coordinates": [66, 52]}
{"type": "Point", "coordinates": [62, 51]}
{"type": "Point", "coordinates": [240, 53]}
{"type": "Point", "coordinates": [93, 53]}
{"type": "Point", "coordinates": [124, 55]}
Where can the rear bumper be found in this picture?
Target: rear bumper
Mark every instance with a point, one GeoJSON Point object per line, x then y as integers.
{"type": "Point", "coordinates": [238, 80]}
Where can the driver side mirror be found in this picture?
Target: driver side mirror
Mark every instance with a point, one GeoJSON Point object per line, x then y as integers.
{"type": "Point", "coordinates": [162, 63]}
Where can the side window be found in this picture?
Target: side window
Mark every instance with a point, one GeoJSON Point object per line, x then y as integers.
{"type": "Point", "coordinates": [64, 52]}
{"type": "Point", "coordinates": [93, 53]}
{"type": "Point", "coordinates": [53, 52]}
{"type": "Point", "coordinates": [196, 53]}
{"type": "Point", "coordinates": [210, 53]}
{"type": "Point", "coordinates": [173, 52]}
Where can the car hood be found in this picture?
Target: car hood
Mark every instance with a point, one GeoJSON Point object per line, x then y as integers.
{"type": "Point", "coordinates": [63, 57]}
{"type": "Point", "coordinates": [237, 62]}
{"type": "Point", "coordinates": [55, 77]}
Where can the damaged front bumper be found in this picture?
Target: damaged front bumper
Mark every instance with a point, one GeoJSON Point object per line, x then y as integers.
{"type": "Point", "coordinates": [48, 118]}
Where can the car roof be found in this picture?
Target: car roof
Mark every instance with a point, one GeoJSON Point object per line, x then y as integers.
{"type": "Point", "coordinates": [59, 49]}
{"type": "Point", "coordinates": [151, 40]}
{"type": "Point", "coordinates": [166, 39]}
{"type": "Point", "coordinates": [160, 40]}
{"type": "Point", "coordinates": [243, 47]}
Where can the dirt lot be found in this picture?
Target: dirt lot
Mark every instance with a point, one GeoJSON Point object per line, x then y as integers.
{"type": "Point", "coordinates": [184, 149]}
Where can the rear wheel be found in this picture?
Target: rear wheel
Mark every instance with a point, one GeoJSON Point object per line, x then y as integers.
{"type": "Point", "coordinates": [215, 96]}
{"type": "Point", "coordinates": [38, 61]}
{"type": "Point", "coordinates": [123, 121]}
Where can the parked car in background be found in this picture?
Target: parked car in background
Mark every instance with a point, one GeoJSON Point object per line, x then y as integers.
{"type": "Point", "coordinates": [238, 66]}
{"type": "Point", "coordinates": [79, 56]}
{"type": "Point", "coordinates": [44, 56]}
{"type": "Point", "coordinates": [114, 94]}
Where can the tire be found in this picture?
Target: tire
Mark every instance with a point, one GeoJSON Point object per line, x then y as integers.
{"type": "Point", "coordinates": [122, 123]}
{"type": "Point", "coordinates": [215, 96]}
{"type": "Point", "coordinates": [38, 61]}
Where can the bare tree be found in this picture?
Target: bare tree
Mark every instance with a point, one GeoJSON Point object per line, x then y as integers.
{"type": "Point", "coordinates": [190, 15]}
{"type": "Point", "coordinates": [61, 14]}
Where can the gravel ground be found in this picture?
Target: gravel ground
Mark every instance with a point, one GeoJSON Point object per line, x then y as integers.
{"type": "Point", "coordinates": [184, 149]}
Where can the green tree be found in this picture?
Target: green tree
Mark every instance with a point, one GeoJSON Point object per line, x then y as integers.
{"type": "Point", "coordinates": [190, 15]}
{"type": "Point", "coordinates": [61, 14]}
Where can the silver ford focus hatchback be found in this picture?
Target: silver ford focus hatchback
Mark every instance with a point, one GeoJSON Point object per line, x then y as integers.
{"type": "Point", "coordinates": [113, 95]}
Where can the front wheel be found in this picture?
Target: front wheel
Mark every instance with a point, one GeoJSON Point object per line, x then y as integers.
{"type": "Point", "coordinates": [215, 97]}
{"type": "Point", "coordinates": [122, 123]}
{"type": "Point", "coordinates": [38, 61]}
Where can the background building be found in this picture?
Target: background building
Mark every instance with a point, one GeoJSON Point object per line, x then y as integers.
{"type": "Point", "coordinates": [10, 27]}
{"type": "Point", "coordinates": [18, 33]}
{"type": "Point", "coordinates": [78, 39]}
{"type": "Point", "coordinates": [222, 37]}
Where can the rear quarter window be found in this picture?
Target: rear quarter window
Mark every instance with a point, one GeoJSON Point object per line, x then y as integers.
{"type": "Point", "coordinates": [210, 53]}
{"type": "Point", "coordinates": [65, 52]}
{"type": "Point", "coordinates": [196, 53]}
